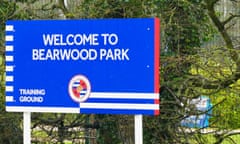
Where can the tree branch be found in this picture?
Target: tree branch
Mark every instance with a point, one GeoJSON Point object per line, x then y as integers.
{"type": "Point", "coordinates": [221, 137]}
{"type": "Point", "coordinates": [229, 19]}
{"type": "Point", "coordinates": [221, 83]}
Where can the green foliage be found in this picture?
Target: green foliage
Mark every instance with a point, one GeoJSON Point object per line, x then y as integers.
{"type": "Point", "coordinates": [10, 131]}
{"type": "Point", "coordinates": [2, 83]}
{"type": "Point", "coordinates": [6, 11]}
{"type": "Point", "coordinates": [115, 9]}
{"type": "Point", "coordinates": [226, 115]}
{"type": "Point", "coordinates": [107, 130]}
{"type": "Point", "coordinates": [59, 127]}
{"type": "Point", "coordinates": [215, 64]}
{"type": "Point", "coordinates": [186, 26]}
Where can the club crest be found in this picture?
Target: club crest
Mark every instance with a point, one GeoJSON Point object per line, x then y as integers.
{"type": "Point", "coordinates": [79, 88]}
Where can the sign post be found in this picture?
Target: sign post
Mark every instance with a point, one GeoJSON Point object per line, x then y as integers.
{"type": "Point", "coordinates": [105, 66]}
{"type": "Point", "coordinates": [138, 129]}
{"type": "Point", "coordinates": [27, 127]}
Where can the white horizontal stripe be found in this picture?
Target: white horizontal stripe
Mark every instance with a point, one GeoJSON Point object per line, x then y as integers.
{"type": "Point", "coordinates": [9, 68]}
{"type": "Point", "coordinates": [9, 88]}
{"type": "Point", "coordinates": [9, 48]}
{"type": "Point", "coordinates": [9, 99]}
{"type": "Point", "coordinates": [83, 92]}
{"type": "Point", "coordinates": [9, 38]}
{"type": "Point", "coordinates": [42, 109]}
{"type": "Point", "coordinates": [9, 58]}
{"type": "Point", "coordinates": [9, 78]}
{"type": "Point", "coordinates": [119, 106]}
{"type": "Point", "coordinates": [9, 27]}
{"type": "Point", "coordinates": [125, 95]}
{"type": "Point", "coordinates": [76, 85]}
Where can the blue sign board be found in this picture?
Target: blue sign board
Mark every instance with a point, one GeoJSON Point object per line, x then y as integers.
{"type": "Point", "coordinates": [107, 66]}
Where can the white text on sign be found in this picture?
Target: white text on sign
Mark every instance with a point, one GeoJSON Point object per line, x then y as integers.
{"type": "Point", "coordinates": [81, 47]}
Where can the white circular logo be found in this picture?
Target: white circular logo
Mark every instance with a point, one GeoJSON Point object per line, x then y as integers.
{"type": "Point", "coordinates": [79, 88]}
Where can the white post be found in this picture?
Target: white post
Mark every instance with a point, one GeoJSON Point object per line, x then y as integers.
{"type": "Point", "coordinates": [27, 127]}
{"type": "Point", "coordinates": [138, 129]}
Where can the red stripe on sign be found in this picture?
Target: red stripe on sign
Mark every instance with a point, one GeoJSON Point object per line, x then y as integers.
{"type": "Point", "coordinates": [156, 112]}
{"type": "Point", "coordinates": [156, 101]}
{"type": "Point", "coordinates": [156, 60]}
{"type": "Point", "coordinates": [156, 54]}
